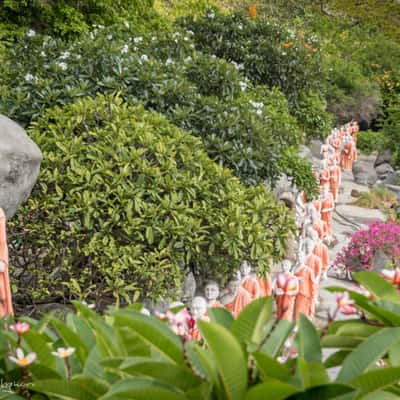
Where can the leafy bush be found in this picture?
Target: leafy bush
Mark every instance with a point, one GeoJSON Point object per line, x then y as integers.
{"type": "Point", "coordinates": [126, 200]}
{"type": "Point", "coordinates": [365, 244]}
{"type": "Point", "coordinates": [126, 354]}
{"type": "Point", "coordinates": [391, 128]}
{"type": "Point", "coordinates": [312, 115]}
{"type": "Point", "coordinates": [69, 18]}
{"type": "Point", "coordinates": [266, 52]}
{"type": "Point", "coordinates": [369, 141]}
{"type": "Point", "coordinates": [244, 128]}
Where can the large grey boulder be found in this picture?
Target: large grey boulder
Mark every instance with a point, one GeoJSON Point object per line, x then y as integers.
{"type": "Point", "coordinates": [383, 157]}
{"type": "Point", "coordinates": [360, 215]}
{"type": "Point", "coordinates": [384, 170]}
{"type": "Point", "coordinates": [393, 178]}
{"type": "Point", "coordinates": [20, 160]}
{"type": "Point", "coordinates": [315, 147]}
{"type": "Point", "coordinates": [364, 173]}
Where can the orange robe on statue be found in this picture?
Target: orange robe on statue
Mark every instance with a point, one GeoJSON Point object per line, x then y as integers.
{"type": "Point", "coordinates": [336, 144]}
{"type": "Point", "coordinates": [334, 182]}
{"type": "Point", "coordinates": [241, 300]}
{"type": "Point", "coordinates": [321, 250]}
{"type": "Point", "coordinates": [252, 286]}
{"type": "Point", "coordinates": [5, 290]}
{"type": "Point", "coordinates": [326, 212]}
{"type": "Point", "coordinates": [349, 155]}
{"type": "Point", "coordinates": [321, 228]}
{"type": "Point", "coordinates": [324, 177]}
{"type": "Point", "coordinates": [288, 284]}
{"type": "Point", "coordinates": [305, 298]}
{"type": "Point", "coordinates": [266, 285]}
{"type": "Point", "coordinates": [315, 263]}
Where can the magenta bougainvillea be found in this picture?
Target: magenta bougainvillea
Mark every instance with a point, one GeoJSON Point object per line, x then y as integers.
{"type": "Point", "coordinates": [364, 245]}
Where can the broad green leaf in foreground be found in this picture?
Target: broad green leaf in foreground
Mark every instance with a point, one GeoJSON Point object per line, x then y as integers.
{"type": "Point", "coordinates": [376, 380]}
{"type": "Point", "coordinates": [378, 286]}
{"type": "Point", "coordinates": [367, 353]}
{"type": "Point", "coordinates": [249, 326]}
{"type": "Point", "coordinates": [142, 389]}
{"type": "Point", "coordinates": [229, 358]}
{"type": "Point", "coordinates": [308, 341]}
{"type": "Point", "coordinates": [273, 389]}
{"type": "Point", "coordinates": [153, 332]}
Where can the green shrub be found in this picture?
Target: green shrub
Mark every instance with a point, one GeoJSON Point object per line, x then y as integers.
{"type": "Point", "coordinates": [126, 355]}
{"type": "Point", "coordinates": [69, 18]}
{"type": "Point", "coordinates": [126, 200]}
{"type": "Point", "coordinates": [245, 128]}
{"type": "Point", "coordinates": [391, 128]}
{"type": "Point", "coordinates": [267, 53]}
{"type": "Point", "coordinates": [312, 115]}
{"type": "Point", "coordinates": [369, 141]}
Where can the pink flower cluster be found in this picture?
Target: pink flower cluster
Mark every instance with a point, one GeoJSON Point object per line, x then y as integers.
{"type": "Point", "coordinates": [364, 244]}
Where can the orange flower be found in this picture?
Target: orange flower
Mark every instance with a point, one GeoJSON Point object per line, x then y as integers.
{"type": "Point", "coordinates": [287, 45]}
{"type": "Point", "coordinates": [252, 11]}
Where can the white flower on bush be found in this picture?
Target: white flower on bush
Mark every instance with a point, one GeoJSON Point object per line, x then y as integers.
{"type": "Point", "coordinates": [63, 66]}
{"type": "Point", "coordinates": [64, 352]}
{"type": "Point", "coordinates": [22, 360]}
{"type": "Point", "coordinates": [78, 56]}
{"type": "Point", "coordinates": [211, 15]}
{"type": "Point", "coordinates": [192, 46]}
{"type": "Point", "coordinates": [187, 59]}
{"type": "Point", "coordinates": [29, 77]}
{"type": "Point", "coordinates": [243, 86]}
{"type": "Point", "coordinates": [153, 38]}
{"type": "Point", "coordinates": [109, 37]}
{"type": "Point", "coordinates": [126, 23]}
{"type": "Point", "coordinates": [256, 104]}
{"type": "Point", "coordinates": [169, 62]}
{"type": "Point", "coordinates": [186, 39]}
{"type": "Point", "coordinates": [137, 39]}
{"type": "Point", "coordinates": [259, 111]}
{"type": "Point", "coordinates": [65, 55]}
{"type": "Point", "coordinates": [91, 306]}
{"type": "Point", "coordinates": [144, 57]}
{"type": "Point", "coordinates": [125, 49]}
{"type": "Point", "coordinates": [31, 33]}
{"type": "Point", "coordinates": [43, 54]}
{"type": "Point", "coordinates": [190, 32]}
{"type": "Point", "coordinates": [240, 26]}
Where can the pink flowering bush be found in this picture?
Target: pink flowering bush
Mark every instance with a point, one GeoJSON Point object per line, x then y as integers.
{"type": "Point", "coordinates": [364, 245]}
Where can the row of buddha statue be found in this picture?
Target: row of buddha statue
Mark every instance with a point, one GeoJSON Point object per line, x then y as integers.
{"type": "Point", "coordinates": [296, 287]}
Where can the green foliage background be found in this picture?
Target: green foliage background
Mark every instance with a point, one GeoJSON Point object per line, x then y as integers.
{"type": "Point", "coordinates": [126, 201]}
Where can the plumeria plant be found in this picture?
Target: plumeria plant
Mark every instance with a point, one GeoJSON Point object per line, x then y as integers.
{"type": "Point", "coordinates": [126, 354]}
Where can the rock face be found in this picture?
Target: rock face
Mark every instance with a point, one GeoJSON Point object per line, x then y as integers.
{"type": "Point", "coordinates": [20, 160]}
{"type": "Point", "coordinates": [360, 215]}
{"type": "Point", "coordinates": [384, 170]}
{"type": "Point", "coordinates": [315, 147]}
{"type": "Point", "coordinates": [364, 173]}
{"type": "Point", "coordinates": [382, 158]}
